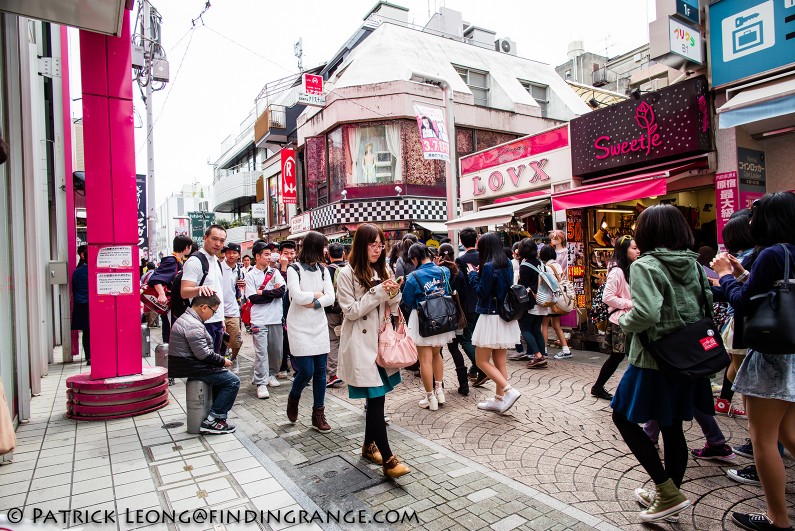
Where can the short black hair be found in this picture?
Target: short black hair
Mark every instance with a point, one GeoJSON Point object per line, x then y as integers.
{"type": "Point", "coordinates": [515, 246]}
{"type": "Point", "coordinates": [83, 249]}
{"type": "Point", "coordinates": [468, 237]}
{"type": "Point", "coordinates": [194, 247]}
{"type": "Point", "coordinates": [737, 233]}
{"type": "Point", "coordinates": [246, 256]}
{"type": "Point", "coordinates": [150, 265]}
{"type": "Point", "coordinates": [286, 244]}
{"type": "Point", "coordinates": [181, 242]}
{"type": "Point", "coordinates": [663, 226]}
{"type": "Point", "coordinates": [547, 253]}
{"type": "Point", "coordinates": [528, 250]}
{"type": "Point", "coordinates": [312, 248]}
{"type": "Point", "coordinates": [209, 300]}
{"type": "Point", "coordinates": [211, 227]}
{"type": "Point", "coordinates": [773, 219]}
{"type": "Point", "coordinates": [335, 250]}
{"type": "Point", "coordinates": [444, 240]}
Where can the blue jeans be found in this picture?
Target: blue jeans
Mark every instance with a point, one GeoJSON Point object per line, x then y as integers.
{"type": "Point", "coordinates": [216, 331]}
{"type": "Point", "coordinates": [310, 368]}
{"type": "Point", "coordinates": [225, 386]}
{"type": "Point", "coordinates": [530, 325]}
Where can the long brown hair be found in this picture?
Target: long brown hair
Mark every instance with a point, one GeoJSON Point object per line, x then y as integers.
{"type": "Point", "coordinates": [359, 258]}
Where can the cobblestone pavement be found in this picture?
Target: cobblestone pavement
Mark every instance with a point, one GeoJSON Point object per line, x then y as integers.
{"type": "Point", "coordinates": [555, 462]}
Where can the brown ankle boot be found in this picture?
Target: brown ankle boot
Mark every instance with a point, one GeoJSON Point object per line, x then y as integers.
{"type": "Point", "coordinates": [394, 468]}
{"type": "Point", "coordinates": [370, 452]}
{"type": "Point", "coordinates": [292, 409]}
{"type": "Point", "coordinates": [319, 420]}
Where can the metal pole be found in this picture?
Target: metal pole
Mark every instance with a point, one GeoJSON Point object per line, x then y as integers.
{"type": "Point", "coordinates": [150, 140]}
{"type": "Point", "coordinates": [451, 174]}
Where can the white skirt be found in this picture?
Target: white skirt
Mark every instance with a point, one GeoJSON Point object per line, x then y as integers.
{"type": "Point", "coordinates": [492, 332]}
{"type": "Point", "coordinates": [439, 340]}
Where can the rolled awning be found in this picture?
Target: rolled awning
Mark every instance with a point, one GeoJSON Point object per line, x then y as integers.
{"type": "Point", "coordinates": [761, 102]}
{"type": "Point", "coordinates": [435, 227]}
{"type": "Point", "coordinates": [635, 187]}
{"type": "Point", "coordinates": [496, 215]}
{"type": "Point", "coordinates": [297, 235]}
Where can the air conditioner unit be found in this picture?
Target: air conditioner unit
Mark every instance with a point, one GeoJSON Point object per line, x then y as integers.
{"type": "Point", "coordinates": [505, 45]}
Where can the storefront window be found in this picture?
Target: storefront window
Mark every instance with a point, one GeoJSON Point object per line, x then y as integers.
{"type": "Point", "coordinates": [273, 199]}
{"type": "Point", "coordinates": [373, 154]}
{"type": "Point", "coordinates": [315, 170]}
{"type": "Point", "coordinates": [336, 164]}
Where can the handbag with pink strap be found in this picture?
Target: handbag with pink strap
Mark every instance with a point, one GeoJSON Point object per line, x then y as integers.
{"type": "Point", "coordinates": [396, 349]}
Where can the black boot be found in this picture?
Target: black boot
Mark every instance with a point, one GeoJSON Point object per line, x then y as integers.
{"type": "Point", "coordinates": [463, 381]}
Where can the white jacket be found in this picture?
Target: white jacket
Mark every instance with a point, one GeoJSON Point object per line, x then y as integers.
{"type": "Point", "coordinates": [362, 310]}
{"type": "Point", "coordinates": [307, 328]}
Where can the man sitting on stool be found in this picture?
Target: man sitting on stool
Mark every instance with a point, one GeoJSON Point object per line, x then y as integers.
{"type": "Point", "coordinates": [191, 356]}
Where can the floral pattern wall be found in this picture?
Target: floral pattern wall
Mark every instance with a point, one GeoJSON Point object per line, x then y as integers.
{"type": "Point", "coordinates": [315, 169]}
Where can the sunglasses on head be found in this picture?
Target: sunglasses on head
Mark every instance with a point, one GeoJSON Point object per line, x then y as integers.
{"type": "Point", "coordinates": [624, 239]}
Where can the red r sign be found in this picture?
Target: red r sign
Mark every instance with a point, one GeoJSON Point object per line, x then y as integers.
{"type": "Point", "coordinates": [289, 189]}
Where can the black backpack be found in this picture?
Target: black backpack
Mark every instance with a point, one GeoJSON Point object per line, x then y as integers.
{"type": "Point", "coordinates": [515, 304]}
{"type": "Point", "coordinates": [178, 303]}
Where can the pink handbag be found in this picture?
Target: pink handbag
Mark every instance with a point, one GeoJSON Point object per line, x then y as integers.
{"type": "Point", "coordinates": [396, 349]}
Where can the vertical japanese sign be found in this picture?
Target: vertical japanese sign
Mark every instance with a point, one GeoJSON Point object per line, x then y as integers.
{"type": "Point", "coordinates": [289, 189]}
{"type": "Point", "coordinates": [576, 259]}
{"type": "Point", "coordinates": [727, 199]}
{"type": "Point", "coordinates": [433, 132]}
{"type": "Point", "coordinates": [143, 236]}
{"type": "Point", "coordinates": [751, 175]}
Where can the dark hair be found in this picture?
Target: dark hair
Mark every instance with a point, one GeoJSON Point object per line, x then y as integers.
{"type": "Point", "coordinates": [447, 258]}
{"type": "Point", "coordinates": [445, 240]}
{"type": "Point", "coordinates": [706, 254]}
{"type": "Point", "coordinates": [246, 256]}
{"type": "Point", "coordinates": [528, 250]}
{"type": "Point", "coordinates": [515, 247]}
{"type": "Point", "coordinates": [209, 300]}
{"type": "Point", "coordinates": [394, 253]}
{"type": "Point", "coordinates": [359, 260]}
{"type": "Point", "coordinates": [286, 244]}
{"type": "Point", "coordinates": [547, 253]}
{"type": "Point", "coordinates": [419, 252]}
{"type": "Point", "coordinates": [335, 250]}
{"type": "Point", "coordinates": [259, 247]}
{"type": "Point", "coordinates": [662, 226]}
{"type": "Point", "coordinates": [737, 233]}
{"type": "Point", "coordinates": [406, 245]}
{"type": "Point", "coordinates": [181, 242]}
{"type": "Point", "coordinates": [150, 265]}
{"type": "Point", "coordinates": [621, 256]}
{"type": "Point", "coordinates": [773, 219]}
{"type": "Point", "coordinates": [468, 237]}
{"type": "Point", "coordinates": [312, 248]}
{"type": "Point", "coordinates": [83, 249]}
{"type": "Point", "coordinates": [211, 227]}
{"type": "Point", "coordinates": [508, 253]}
{"type": "Point", "coordinates": [491, 250]}
{"type": "Point", "coordinates": [194, 247]}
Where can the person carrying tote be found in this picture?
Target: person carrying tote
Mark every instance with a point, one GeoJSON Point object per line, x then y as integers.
{"type": "Point", "coordinates": [617, 297]}
{"type": "Point", "coordinates": [557, 239]}
{"type": "Point", "coordinates": [427, 280]}
{"type": "Point", "coordinates": [766, 380]}
{"type": "Point", "coordinates": [364, 289]}
{"type": "Point", "coordinates": [311, 290]}
{"type": "Point", "coordinates": [492, 336]}
{"type": "Point", "coordinates": [667, 294]}
{"type": "Point", "coordinates": [530, 323]}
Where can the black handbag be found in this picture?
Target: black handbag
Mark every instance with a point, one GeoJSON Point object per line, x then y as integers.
{"type": "Point", "coordinates": [436, 314]}
{"type": "Point", "coordinates": [770, 328]}
{"type": "Point", "coordinates": [694, 351]}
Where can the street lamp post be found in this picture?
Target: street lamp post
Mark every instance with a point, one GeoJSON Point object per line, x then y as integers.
{"type": "Point", "coordinates": [450, 174]}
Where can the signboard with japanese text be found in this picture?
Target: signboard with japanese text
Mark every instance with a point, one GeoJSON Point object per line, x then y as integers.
{"type": "Point", "coordinates": [259, 211]}
{"type": "Point", "coordinates": [311, 92]}
{"type": "Point", "coordinates": [114, 283]}
{"type": "Point", "coordinates": [289, 187]}
{"type": "Point", "coordinates": [685, 41]}
{"type": "Point", "coordinates": [751, 175]}
{"type": "Point", "coordinates": [143, 235]}
{"type": "Point", "coordinates": [301, 223]}
{"type": "Point", "coordinates": [576, 254]}
{"type": "Point", "coordinates": [727, 199]}
{"type": "Point", "coordinates": [199, 221]}
{"type": "Point", "coordinates": [433, 132]}
{"type": "Point", "coordinates": [115, 257]}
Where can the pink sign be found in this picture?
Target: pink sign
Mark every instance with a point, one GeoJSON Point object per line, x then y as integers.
{"type": "Point", "coordinates": [313, 84]}
{"type": "Point", "coordinates": [747, 198]}
{"type": "Point", "coordinates": [517, 149]}
{"type": "Point", "coordinates": [727, 199]}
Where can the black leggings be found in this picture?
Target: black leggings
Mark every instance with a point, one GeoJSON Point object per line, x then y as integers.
{"type": "Point", "coordinates": [726, 392]}
{"type": "Point", "coordinates": [455, 352]}
{"type": "Point", "coordinates": [87, 344]}
{"type": "Point", "coordinates": [609, 368]}
{"type": "Point", "coordinates": [375, 426]}
{"type": "Point", "coordinates": [643, 449]}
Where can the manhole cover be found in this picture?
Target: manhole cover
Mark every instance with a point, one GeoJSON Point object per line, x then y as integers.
{"type": "Point", "coordinates": [334, 476]}
{"type": "Point", "coordinates": [171, 425]}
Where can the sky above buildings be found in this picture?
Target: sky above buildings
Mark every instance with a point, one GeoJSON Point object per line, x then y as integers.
{"type": "Point", "coordinates": [220, 62]}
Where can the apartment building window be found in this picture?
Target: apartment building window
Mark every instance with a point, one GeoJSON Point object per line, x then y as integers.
{"type": "Point", "coordinates": [478, 83]}
{"type": "Point", "coordinates": [540, 93]}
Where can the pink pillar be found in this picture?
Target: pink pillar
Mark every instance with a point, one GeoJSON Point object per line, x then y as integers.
{"type": "Point", "coordinates": [71, 222]}
{"type": "Point", "coordinates": [111, 203]}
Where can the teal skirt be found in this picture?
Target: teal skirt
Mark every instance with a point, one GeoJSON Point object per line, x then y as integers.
{"type": "Point", "coordinates": [389, 383]}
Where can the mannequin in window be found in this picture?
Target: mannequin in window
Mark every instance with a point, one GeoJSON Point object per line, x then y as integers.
{"type": "Point", "coordinates": [368, 164]}
{"type": "Point", "coordinates": [426, 129]}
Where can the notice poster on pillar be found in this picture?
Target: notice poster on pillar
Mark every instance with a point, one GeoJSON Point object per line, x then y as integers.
{"type": "Point", "coordinates": [115, 257]}
{"type": "Point", "coordinates": [433, 132]}
{"type": "Point", "coordinates": [114, 283]}
{"type": "Point", "coordinates": [727, 197]}
{"type": "Point", "coordinates": [143, 235]}
{"type": "Point", "coordinates": [289, 188]}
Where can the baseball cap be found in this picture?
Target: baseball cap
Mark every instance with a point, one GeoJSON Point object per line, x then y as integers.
{"type": "Point", "coordinates": [232, 247]}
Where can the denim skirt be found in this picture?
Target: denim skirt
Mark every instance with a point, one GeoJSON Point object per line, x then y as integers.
{"type": "Point", "coordinates": [767, 376]}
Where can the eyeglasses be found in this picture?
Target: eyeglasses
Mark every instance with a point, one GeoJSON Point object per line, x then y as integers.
{"type": "Point", "coordinates": [376, 245]}
{"type": "Point", "coordinates": [213, 309]}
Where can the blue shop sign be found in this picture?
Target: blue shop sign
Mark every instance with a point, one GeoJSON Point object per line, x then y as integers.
{"type": "Point", "coordinates": [687, 10]}
{"type": "Point", "coordinates": [750, 37]}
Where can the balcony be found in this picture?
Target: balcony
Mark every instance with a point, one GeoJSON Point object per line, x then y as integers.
{"type": "Point", "coordinates": [600, 77]}
{"type": "Point", "coordinates": [234, 191]}
{"type": "Point", "coordinates": [271, 126]}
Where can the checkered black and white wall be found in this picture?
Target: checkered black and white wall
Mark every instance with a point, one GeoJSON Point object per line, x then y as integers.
{"type": "Point", "coordinates": [409, 208]}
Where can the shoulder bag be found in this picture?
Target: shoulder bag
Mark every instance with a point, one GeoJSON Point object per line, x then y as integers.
{"type": "Point", "coordinates": [694, 351]}
{"type": "Point", "coordinates": [436, 314]}
{"type": "Point", "coordinates": [565, 302]}
{"type": "Point", "coordinates": [396, 349]}
{"type": "Point", "coordinates": [770, 328]}
{"type": "Point", "coordinates": [245, 310]}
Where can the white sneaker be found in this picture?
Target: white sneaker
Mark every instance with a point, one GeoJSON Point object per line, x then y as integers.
{"type": "Point", "coordinates": [491, 405]}
{"type": "Point", "coordinates": [430, 402]}
{"type": "Point", "coordinates": [236, 366]}
{"type": "Point", "coordinates": [510, 398]}
{"type": "Point", "coordinates": [262, 391]}
{"type": "Point", "coordinates": [440, 395]}
{"type": "Point", "coordinates": [273, 382]}
{"type": "Point", "coordinates": [563, 355]}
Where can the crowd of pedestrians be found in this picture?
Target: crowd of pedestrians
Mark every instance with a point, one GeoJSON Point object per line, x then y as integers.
{"type": "Point", "coordinates": [321, 314]}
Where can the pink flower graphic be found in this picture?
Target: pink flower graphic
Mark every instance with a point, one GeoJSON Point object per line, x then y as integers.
{"type": "Point", "coordinates": [644, 116]}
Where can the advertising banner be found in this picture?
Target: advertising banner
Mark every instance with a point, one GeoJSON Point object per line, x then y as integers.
{"type": "Point", "coordinates": [727, 199]}
{"type": "Point", "coordinates": [182, 226]}
{"type": "Point", "coordinates": [433, 132]}
{"type": "Point", "coordinates": [199, 221]}
{"type": "Point", "coordinates": [576, 254]}
{"type": "Point", "coordinates": [289, 188]}
{"type": "Point", "coordinates": [143, 235]}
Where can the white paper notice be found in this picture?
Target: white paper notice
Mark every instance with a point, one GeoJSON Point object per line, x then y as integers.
{"type": "Point", "coordinates": [118, 256]}
{"type": "Point", "coordinates": [114, 283]}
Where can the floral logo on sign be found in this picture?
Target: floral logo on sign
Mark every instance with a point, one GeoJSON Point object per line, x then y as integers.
{"type": "Point", "coordinates": [644, 116]}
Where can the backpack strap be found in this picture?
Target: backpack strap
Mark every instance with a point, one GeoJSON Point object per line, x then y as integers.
{"type": "Point", "coordinates": [205, 266]}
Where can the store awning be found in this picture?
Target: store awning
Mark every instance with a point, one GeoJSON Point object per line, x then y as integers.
{"type": "Point", "coordinates": [435, 227]}
{"type": "Point", "coordinates": [297, 235]}
{"type": "Point", "coordinates": [337, 236]}
{"type": "Point", "coordinates": [636, 187]}
{"type": "Point", "coordinates": [496, 215]}
{"type": "Point", "coordinates": [761, 102]}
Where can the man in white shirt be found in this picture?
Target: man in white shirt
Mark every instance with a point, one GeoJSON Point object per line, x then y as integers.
{"type": "Point", "coordinates": [234, 284]}
{"type": "Point", "coordinates": [194, 281]}
{"type": "Point", "coordinates": [265, 288]}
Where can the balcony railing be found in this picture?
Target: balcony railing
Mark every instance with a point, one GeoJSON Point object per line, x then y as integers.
{"type": "Point", "coordinates": [600, 77]}
{"type": "Point", "coordinates": [234, 185]}
{"type": "Point", "coordinates": [274, 117]}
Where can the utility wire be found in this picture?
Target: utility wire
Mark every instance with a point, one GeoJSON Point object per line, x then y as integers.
{"type": "Point", "coordinates": [249, 49]}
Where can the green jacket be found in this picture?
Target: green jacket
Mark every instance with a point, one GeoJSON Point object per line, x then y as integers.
{"type": "Point", "coordinates": [666, 295]}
